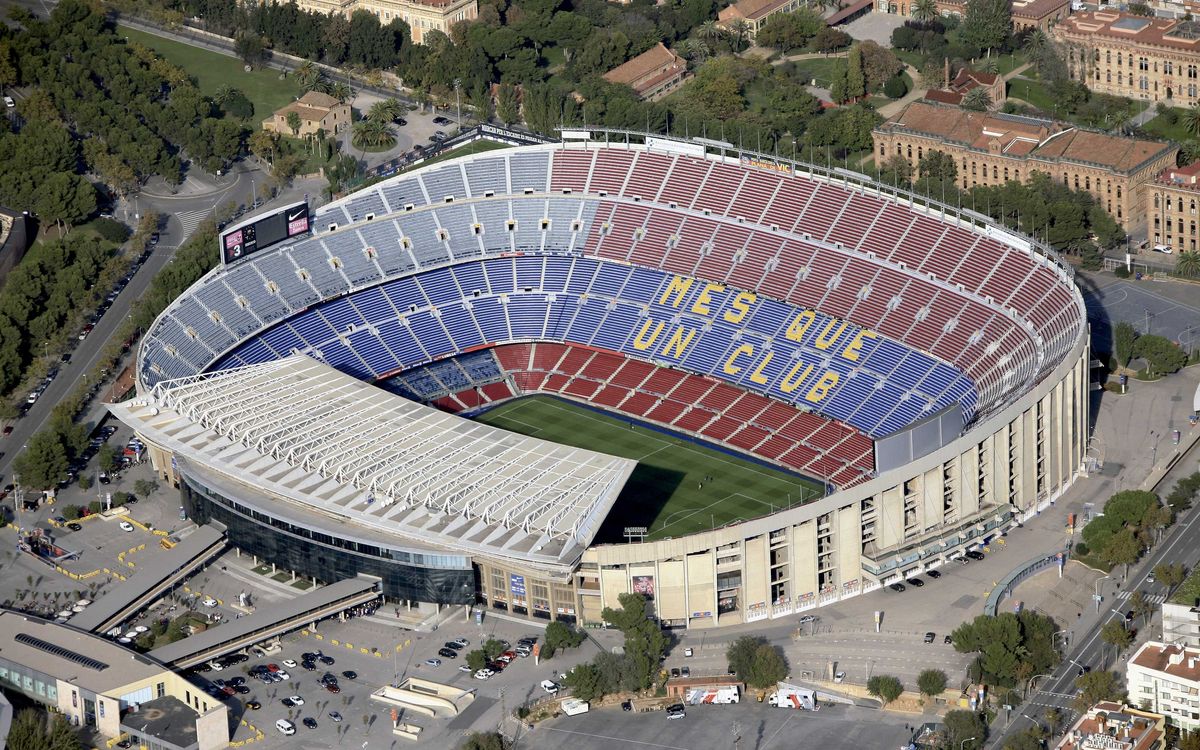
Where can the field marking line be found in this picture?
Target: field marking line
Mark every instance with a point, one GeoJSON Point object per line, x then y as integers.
{"type": "Point", "coordinates": [672, 520]}
{"type": "Point", "coordinates": [506, 418]}
{"type": "Point", "coordinates": [747, 465]}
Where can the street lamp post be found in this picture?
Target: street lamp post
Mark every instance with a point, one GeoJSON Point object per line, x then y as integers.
{"type": "Point", "coordinates": [963, 744]}
{"type": "Point", "coordinates": [1096, 596]}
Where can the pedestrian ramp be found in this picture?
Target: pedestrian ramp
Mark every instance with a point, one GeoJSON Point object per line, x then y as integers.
{"type": "Point", "coordinates": [426, 697]}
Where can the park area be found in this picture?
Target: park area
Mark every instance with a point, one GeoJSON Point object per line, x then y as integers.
{"type": "Point", "coordinates": [679, 487]}
{"type": "Point", "coordinates": [211, 70]}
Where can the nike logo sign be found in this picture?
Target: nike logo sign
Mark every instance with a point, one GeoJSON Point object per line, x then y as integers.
{"type": "Point", "coordinates": [297, 215]}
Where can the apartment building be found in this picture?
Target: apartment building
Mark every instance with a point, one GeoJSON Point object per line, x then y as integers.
{"type": "Point", "coordinates": [1114, 726]}
{"type": "Point", "coordinates": [1165, 679]}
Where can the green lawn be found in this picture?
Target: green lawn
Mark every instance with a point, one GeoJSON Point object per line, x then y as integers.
{"type": "Point", "coordinates": [1033, 92]}
{"type": "Point", "coordinates": [211, 69]}
{"type": "Point", "coordinates": [822, 69]}
{"type": "Point", "coordinates": [1188, 592]}
{"type": "Point", "coordinates": [664, 493]}
{"type": "Point", "coordinates": [1171, 131]}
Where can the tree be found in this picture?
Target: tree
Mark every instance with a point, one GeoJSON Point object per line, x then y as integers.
{"type": "Point", "coordinates": [769, 666]}
{"type": "Point", "coordinates": [1124, 338]}
{"type": "Point", "coordinates": [644, 640]}
{"type": "Point", "coordinates": [476, 660]}
{"type": "Point", "coordinates": [961, 726]}
{"type": "Point", "coordinates": [879, 65]}
{"type": "Point", "coordinates": [1188, 264]}
{"type": "Point", "coordinates": [1140, 605]}
{"type": "Point", "coordinates": [931, 682]}
{"type": "Point", "coordinates": [106, 458]}
{"type": "Point", "coordinates": [508, 105]}
{"type": "Point", "coordinates": [741, 653]}
{"type": "Point", "coordinates": [977, 99]}
{"type": "Point", "coordinates": [559, 635]}
{"type": "Point", "coordinates": [1030, 739]}
{"type": "Point", "coordinates": [144, 487]}
{"type": "Point", "coordinates": [896, 171]}
{"type": "Point", "coordinates": [924, 10]}
{"type": "Point", "coordinates": [34, 730]}
{"type": "Point", "coordinates": [895, 87]}
{"type": "Point", "coordinates": [372, 134]}
{"type": "Point", "coordinates": [294, 122]}
{"type": "Point", "coordinates": [856, 80]}
{"type": "Point", "coordinates": [1006, 641]}
{"type": "Point", "coordinates": [1122, 549]}
{"type": "Point", "coordinates": [1191, 119]}
{"type": "Point", "coordinates": [1054, 720]}
{"type": "Point", "coordinates": [1189, 741]}
{"type": "Point", "coordinates": [1170, 575]}
{"type": "Point", "coordinates": [43, 463]}
{"type": "Point", "coordinates": [492, 648]}
{"type": "Point", "coordinates": [483, 741]}
{"type": "Point", "coordinates": [584, 681]}
{"type": "Point", "coordinates": [1116, 635]}
{"type": "Point", "coordinates": [250, 48]}
{"type": "Point", "coordinates": [885, 687]}
{"type": "Point", "coordinates": [830, 39]}
{"type": "Point", "coordinates": [386, 110]}
{"type": "Point", "coordinates": [1096, 686]}
{"type": "Point", "coordinates": [987, 24]}
{"type": "Point", "coordinates": [1161, 354]}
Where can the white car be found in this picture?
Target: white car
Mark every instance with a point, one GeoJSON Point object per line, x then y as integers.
{"type": "Point", "coordinates": [281, 674]}
{"type": "Point", "coordinates": [483, 674]}
{"type": "Point", "coordinates": [433, 662]}
{"type": "Point", "coordinates": [807, 619]}
{"type": "Point", "coordinates": [464, 668]}
{"type": "Point", "coordinates": [9, 103]}
{"type": "Point", "coordinates": [126, 526]}
{"type": "Point", "coordinates": [210, 602]}
{"type": "Point", "coordinates": [289, 663]}
{"type": "Point", "coordinates": [296, 699]}
{"type": "Point", "coordinates": [550, 687]}
{"type": "Point", "coordinates": [837, 678]}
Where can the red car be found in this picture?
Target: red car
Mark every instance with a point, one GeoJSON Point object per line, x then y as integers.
{"type": "Point", "coordinates": [8, 429]}
{"type": "Point", "coordinates": [272, 667]}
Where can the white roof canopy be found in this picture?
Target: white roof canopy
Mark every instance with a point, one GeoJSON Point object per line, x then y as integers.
{"type": "Point", "coordinates": [311, 434]}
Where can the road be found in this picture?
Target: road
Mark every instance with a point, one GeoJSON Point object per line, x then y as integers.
{"type": "Point", "coordinates": [1181, 545]}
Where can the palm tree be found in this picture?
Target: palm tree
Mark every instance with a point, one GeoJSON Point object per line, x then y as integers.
{"type": "Point", "coordinates": [710, 31]}
{"type": "Point", "coordinates": [372, 134]}
{"type": "Point", "coordinates": [977, 99]}
{"type": "Point", "coordinates": [341, 91]}
{"type": "Point", "coordinates": [1191, 119]}
{"type": "Point", "coordinates": [740, 28]}
{"type": "Point", "coordinates": [223, 95]}
{"type": "Point", "coordinates": [924, 10]}
{"type": "Point", "coordinates": [309, 76]}
{"type": "Point", "coordinates": [387, 110]}
{"type": "Point", "coordinates": [1188, 264]}
{"type": "Point", "coordinates": [695, 49]}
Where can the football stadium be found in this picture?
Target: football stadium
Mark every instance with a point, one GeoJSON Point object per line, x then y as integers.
{"type": "Point", "coordinates": [532, 379]}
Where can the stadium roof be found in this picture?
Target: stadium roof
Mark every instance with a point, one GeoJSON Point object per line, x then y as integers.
{"type": "Point", "coordinates": [310, 434]}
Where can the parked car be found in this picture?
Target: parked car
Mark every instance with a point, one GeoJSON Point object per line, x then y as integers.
{"type": "Point", "coordinates": [350, 674]}
{"type": "Point", "coordinates": [675, 711]}
{"type": "Point", "coordinates": [448, 653]}
{"type": "Point", "coordinates": [550, 687]}
{"type": "Point", "coordinates": [433, 662]}
{"type": "Point", "coordinates": [337, 718]}
{"type": "Point", "coordinates": [310, 722]}
{"type": "Point", "coordinates": [930, 636]}
{"type": "Point", "coordinates": [975, 554]}
{"type": "Point", "coordinates": [439, 120]}
{"type": "Point", "coordinates": [898, 587]}
{"type": "Point", "coordinates": [126, 526]}
{"type": "Point", "coordinates": [807, 619]}
{"type": "Point", "coordinates": [253, 705]}
{"type": "Point", "coordinates": [915, 582]}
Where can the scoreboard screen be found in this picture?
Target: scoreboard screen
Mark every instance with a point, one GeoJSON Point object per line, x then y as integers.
{"type": "Point", "coordinates": [258, 234]}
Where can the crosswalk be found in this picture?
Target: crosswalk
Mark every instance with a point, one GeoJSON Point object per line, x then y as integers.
{"type": "Point", "coordinates": [1151, 598]}
{"type": "Point", "coordinates": [189, 220]}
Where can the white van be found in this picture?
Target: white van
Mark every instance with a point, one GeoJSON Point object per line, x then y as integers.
{"type": "Point", "coordinates": [1164, 249]}
{"type": "Point", "coordinates": [286, 727]}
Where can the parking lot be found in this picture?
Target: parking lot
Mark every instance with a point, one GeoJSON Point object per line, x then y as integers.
{"type": "Point", "coordinates": [750, 726]}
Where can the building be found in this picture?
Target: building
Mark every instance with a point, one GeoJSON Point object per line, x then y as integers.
{"type": "Point", "coordinates": [1165, 679]}
{"type": "Point", "coordinates": [653, 74]}
{"type": "Point", "coordinates": [956, 88]}
{"type": "Point", "coordinates": [421, 16]}
{"type": "Point", "coordinates": [16, 230]}
{"type": "Point", "coordinates": [1153, 59]}
{"type": "Point", "coordinates": [1174, 195]}
{"type": "Point", "coordinates": [755, 13]}
{"type": "Point", "coordinates": [95, 682]}
{"type": "Point", "coordinates": [1181, 613]}
{"type": "Point", "coordinates": [993, 148]}
{"type": "Point", "coordinates": [1113, 726]}
{"type": "Point", "coordinates": [1026, 14]}
{"type": "Point", "coordinates": [317, 111]}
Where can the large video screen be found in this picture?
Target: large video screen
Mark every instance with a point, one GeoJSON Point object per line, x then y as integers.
{"type": "Point", "coordinates": [263, 232]}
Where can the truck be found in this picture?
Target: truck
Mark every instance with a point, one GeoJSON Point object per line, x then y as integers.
{"type": "Point", "coordinates": [574, 707]}
{"type": "Point", "coordinates": [790, 696]}
{"type": "Point", "coordinates": [714, 695]}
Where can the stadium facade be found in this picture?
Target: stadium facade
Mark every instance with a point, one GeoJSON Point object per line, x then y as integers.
{"type": "Point", "coordinates": [928, 366]}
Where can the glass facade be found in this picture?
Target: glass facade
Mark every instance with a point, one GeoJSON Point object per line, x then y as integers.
{"type": "Point", "coordinates": [413, 575]}
{"type": "Point", "coordinates": [34, 684]}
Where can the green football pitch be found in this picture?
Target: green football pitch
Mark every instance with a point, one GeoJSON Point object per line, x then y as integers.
{"type": "Point", "coordinates": [679, 486]}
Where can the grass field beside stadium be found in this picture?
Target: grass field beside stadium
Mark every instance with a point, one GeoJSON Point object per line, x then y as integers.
{"type": "Point", "coordinates": [668, 492]}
